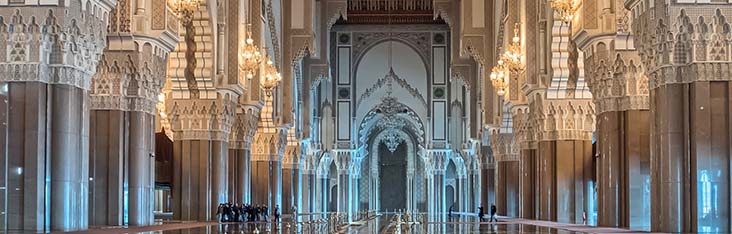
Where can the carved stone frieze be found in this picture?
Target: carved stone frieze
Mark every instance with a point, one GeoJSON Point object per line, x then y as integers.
{"type": "Point", "coordinates": [687, 43]}
{"type": "Point", "coordinates": [391, 77]}
{"type": "Point", "coordinates": [562, 119]}
{"type": "Point", "coordinates": [420, 41]}
{"type": "Point", "coordinates": [437, 160]}
{"type": "Point", "coordinates": [522, 127]}
{"type": "Point", "coordinates": [505, 147]}
{"type": "Point", "coordinates": [54, 45]}
{"type": "Point", "coordinates": [202, 119]}
{"type": "Point", "coordinates": [616, 78]}
{"type": "Point", "coordinates": [269, 145]}
{"type": "Point", "coordinates": [129, 80]}
{"type": "Point", "coordinates": [244, 128]}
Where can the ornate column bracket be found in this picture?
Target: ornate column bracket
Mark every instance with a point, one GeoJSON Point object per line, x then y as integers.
{"type": "Point", "coordinates": [562, 119]}
{"type": "Point", "coordinates": [269, 145]}
{"type": "Point", "coordinates": [244, 127]}
{"type": "Point", "coordinates": [202, 119]}
{"type": "Point", "coordinates": [79, 47]}
{"type": "Point", "coordinates": [522, 127]}
{"type": "Point", "coordinates": [343, 159]}
{"type": "Point", "coordinates": [437, 160]}
{"type": "Point", "coordinates": [505, 147]}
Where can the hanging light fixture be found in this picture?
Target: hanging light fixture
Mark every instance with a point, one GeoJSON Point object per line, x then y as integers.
{"type": "Point", "coordinates": [184, 9]}
{"type": "Point", "coordinates": [499, 77]}
{"type": "Point", "coordinates": [513, 57]}
{"type": "Point", "coordinates": [271, 77]}
{"type": "Point", "coordinates": [565, 9]}
{"type": "Point", "coordinates": [250, 57]}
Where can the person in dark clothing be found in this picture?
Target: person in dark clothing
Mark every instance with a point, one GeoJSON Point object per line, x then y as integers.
{"type": "Point", "coordinates": [493, 213]}
{"type": "Point", "coordinates": [235, 208]}
{"type": "Point", "coordinates": [220, 212]}
{"type": "Point", "coordinates": [480, 213]}
{"type": "Point", "coordinates": [277, 213]}
{"type": "Point", "coordinates": [265, 212]}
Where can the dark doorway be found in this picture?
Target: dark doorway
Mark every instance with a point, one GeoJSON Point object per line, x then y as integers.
{"type": "Point", "coordinates": [393, 178]}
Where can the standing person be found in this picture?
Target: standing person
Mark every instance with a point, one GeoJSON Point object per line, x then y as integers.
{"type": "Point", "coordinates": [219, 212]}
{"type": "Point", "coordinates": [449, 212]}
{"type": "Point", "coordinates": [277, 213]}
{"type": "Point", "coordinates": [493, 213]}
{"type": "Point", "coordinates": [265, 212]}
{"type": "Point", "coordinates": [480, 213]}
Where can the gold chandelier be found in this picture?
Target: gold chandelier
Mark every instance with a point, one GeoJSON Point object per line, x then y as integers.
{"type": "Point", "coordinates": [499, 77]}
{"type": "Point", "coordinates": [513, 56]}
{"type": "Point", "coordinates": [250, 58]}
{"type": "Point", "coordinates": [271, 77]}
{"type": "Point", "coordinates": [184, 8]}
{"type": "Point", "coordinates": [565, 9]}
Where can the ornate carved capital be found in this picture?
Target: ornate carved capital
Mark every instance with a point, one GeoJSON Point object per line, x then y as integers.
{"type": "Point", "coordinates": [244, 128]}
{"type": "Point", "coordinates": [562, 119]}
{"type": "Point", "coordinates": [437, 160]}
{"type": "Point", "coordinates": [505, 147]}
{"type": "Point", "coordinates": [202, 119]}
{"type": "Point", "coordinates": [269, 144]}
{"type": "Point", "coordinates": [48, 44]}
{"type": "Point", "coordinates": [684, 44]}
{"type": "Point", "coordinates": [522, 127]}
{"type": "Point", "coordinates": [615, 75]}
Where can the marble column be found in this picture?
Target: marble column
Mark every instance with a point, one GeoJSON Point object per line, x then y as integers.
{"type": "Point", "coordinates": [487, 179]}
{"type": "Point", "coordinates": [565, 167]}
{"type": "Point", "coordinates": [4, 112]}
{"type": "Point", "coordinates": [506, 153]}
{"type": "Point", "coordinates": [240, 164]}
{"type": "Point", "coordinates": [200, 154]}
{"type": "Point", "coordinates": [619, 88]}
{"type": "Point", "coordinates": [689, 83]}
{"type": "Point", "coordinates": [141, 164]}
{"type": "Point", "coordinates": [48, 118]}
{"type": "Point", "coordinates": [266, 173]}
{"type": "Point", "coordinates": [68, 158]}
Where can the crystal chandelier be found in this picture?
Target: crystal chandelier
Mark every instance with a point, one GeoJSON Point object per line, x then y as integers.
{"type": "Point", "coordinates": [499, 77]}
{"type": "Point", "coordinates": [184, 9]}
{"type": "Point", "coordinates": [249, 58]}
{"type": "Point", "coordinates": [513, 56]}
{"type": "Point", "coordinates": [271, 77]}
{"type": "Point", "coordinates": [565, 9]}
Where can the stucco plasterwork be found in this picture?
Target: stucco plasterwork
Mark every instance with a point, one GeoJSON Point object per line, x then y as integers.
{"type": "Point", "coordinates": [75, 37]}
{"type": "Point", "coordinates": [202, 119]}
{"type": "Point", "coordinates": [687, 43]}
{"type": "Point", "coordinates": [564, 119]}
{"type": "Point", "coordinates": [505, 147]}
{"type": "Point", "coordinates": [616, 79]}
{"type": "Point", "coordinates": [244, 127]}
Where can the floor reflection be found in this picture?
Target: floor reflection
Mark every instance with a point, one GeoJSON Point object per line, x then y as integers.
{"type": "Point", "coordinates": [379, 225]}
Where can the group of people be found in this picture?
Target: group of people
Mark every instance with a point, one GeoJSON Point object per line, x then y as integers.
{"type": "Point", "coordinates": [493, 214]}
{"type": "Point", "coordinates": [228, 212]}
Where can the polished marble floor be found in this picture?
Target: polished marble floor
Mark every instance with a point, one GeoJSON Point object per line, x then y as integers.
{"type": "Point", "coordinates": [381, 224]}
{"type": "Point", "coordinates": [389, 224]}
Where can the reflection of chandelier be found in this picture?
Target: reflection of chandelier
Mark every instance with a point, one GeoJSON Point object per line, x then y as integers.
{"type": "Point", "coordinates": [513, 56]}
{"type": "Point", "coordinates": [249, 58]}
{"type": "Point", "coordinates": [392, 140]}
{"type": "Point", "coordinates": [499, 77]}
{"type": "Point", "coordinates": [565, 9]}
{"type": "Point", "coordinates": [184, 9]}
{"type": "Point", "coordinates": [271, 77]}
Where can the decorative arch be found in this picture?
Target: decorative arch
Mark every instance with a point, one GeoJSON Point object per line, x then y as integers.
{"type": "Point", "coordinates": [399, 113]}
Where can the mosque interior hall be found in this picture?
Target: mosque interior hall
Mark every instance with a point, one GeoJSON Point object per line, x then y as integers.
{"type": "Point", "coordinates": [365, 116]}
